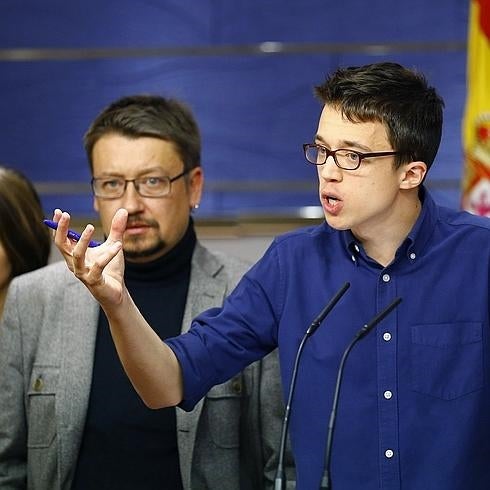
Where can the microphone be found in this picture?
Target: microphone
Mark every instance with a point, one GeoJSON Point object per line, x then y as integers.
{"type": "Point", "coordinates": [326, 479]}
{"type": "Point", "coordinates": [280, 479]}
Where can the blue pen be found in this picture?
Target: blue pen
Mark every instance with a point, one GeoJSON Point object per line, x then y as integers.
{"type": "Point", "coordinates": [73, 235]}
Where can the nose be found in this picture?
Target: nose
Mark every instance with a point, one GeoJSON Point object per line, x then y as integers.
{"type": "Point", "coordinates": [131, 200]}
{"type": "Point", "coordinates": [329, 170]}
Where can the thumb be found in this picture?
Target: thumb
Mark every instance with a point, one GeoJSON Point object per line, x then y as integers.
{"type": "Point", "coordinates": [118, 225]}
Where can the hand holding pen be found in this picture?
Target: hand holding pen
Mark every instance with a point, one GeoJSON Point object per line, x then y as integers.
{"type": "Point", "coordinates": [72, 235]}
{"type": "Point", "coordinates": [100, 267]}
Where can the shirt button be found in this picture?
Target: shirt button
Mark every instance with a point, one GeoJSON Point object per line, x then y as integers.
{"type": "Point", "coordinates": [386, 277]}
{"type": "Point", "coordinates": [38, 384]}
{"type": "Point", "coordinates": [353, 258]}
{"type": "Point", "coordinates": [387, 394]}
{"type": "Point", "coordinates": [356, 248]}
{"type": "Point", "coordinates": [413, 256]}
{"type": "Point", "coordinates": [387, 336]}
{"type": "Point", "coordinates": [236, 386]}
{"type": "Point", "coordinates": [389, 453]}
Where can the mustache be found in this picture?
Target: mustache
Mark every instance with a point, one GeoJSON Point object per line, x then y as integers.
{"type": "Point", "coordinates": [135, 221]}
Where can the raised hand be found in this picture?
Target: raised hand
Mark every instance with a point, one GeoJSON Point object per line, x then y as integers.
{"type": "Point", "coordinates": [101, 268]}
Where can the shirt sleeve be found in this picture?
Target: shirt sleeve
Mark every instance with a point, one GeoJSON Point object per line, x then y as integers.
{"type": "Point", "coordinates": [223, 341]}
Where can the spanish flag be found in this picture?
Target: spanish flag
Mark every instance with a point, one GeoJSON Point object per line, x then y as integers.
{"type": "Point", "coordinates": [476, 124]}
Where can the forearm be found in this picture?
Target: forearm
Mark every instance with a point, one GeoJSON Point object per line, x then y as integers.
{"type": "Point", "coordinates": [149, 363]}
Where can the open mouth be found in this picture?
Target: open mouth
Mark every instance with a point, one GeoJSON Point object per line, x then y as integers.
{"type": "Point", "coordinates": [332, 204]}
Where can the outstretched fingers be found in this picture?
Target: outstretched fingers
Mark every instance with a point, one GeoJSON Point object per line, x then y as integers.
{"type": "Point", "coordinates": [90, 271]}
{"type": "Point", "coordinates": [100, 268]}
{"type": "Point", "coordinates": [88, 265]}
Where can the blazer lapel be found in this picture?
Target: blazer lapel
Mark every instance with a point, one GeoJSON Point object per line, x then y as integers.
{"type": "Point", "coordinates": [79, 313]}
{"type": "Point", "coordinates": [207, 289]}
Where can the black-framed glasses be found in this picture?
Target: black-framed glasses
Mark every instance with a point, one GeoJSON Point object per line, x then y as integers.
{"type": "Point", "coordinates": [148, 186]}
{"type": "Point", "coordinates": [343, 158]}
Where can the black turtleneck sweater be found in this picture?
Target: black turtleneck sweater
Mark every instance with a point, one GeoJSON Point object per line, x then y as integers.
{"type": "Point", "coordinates": [126, 445]}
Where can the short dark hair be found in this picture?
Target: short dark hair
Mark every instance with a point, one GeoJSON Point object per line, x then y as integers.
{"type": "Point", "coordinates": [137, 116]}
{"type": "Point", "coordinates": [23, 235]}
{"type": "Point", "coordinates": [401, 99]}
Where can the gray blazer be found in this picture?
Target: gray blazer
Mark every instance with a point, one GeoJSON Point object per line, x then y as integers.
{"type": "Point", "coordinates": [47, 341]}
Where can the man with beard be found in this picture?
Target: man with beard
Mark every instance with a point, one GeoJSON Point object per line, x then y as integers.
{"type": "Point", "coordinates": [69, 417]}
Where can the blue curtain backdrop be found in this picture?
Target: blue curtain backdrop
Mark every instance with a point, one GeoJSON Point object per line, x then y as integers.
{"type": "Point", "coordinates": [246, 68]}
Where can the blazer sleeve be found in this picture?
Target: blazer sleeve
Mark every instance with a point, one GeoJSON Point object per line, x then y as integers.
{"type": "Point", "coordinates": [13, 432]}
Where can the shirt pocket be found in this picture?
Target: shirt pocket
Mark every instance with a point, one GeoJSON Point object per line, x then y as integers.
{"type": "Point", "coordinates": [223, 406]}
{"type": "Point", "coordinates": [41, 396]}
{"type": "Point", "coordinates": [447, 359]}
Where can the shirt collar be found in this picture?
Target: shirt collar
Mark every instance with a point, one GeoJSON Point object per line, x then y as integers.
{"type": "Point", "coordinates": [352, 246]}
{"type": "Point", "coordinates": [417, 238]}
{"type": "Point", "coordinates": [424, 226]}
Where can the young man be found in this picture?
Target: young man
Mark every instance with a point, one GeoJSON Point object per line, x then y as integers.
{"type": "Point", "coordinates": [69, 418]}
{"type": "Point", "coordinates": [413, 409]}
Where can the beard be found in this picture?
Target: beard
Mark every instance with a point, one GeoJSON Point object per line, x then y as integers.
{"type": "Point", "coordinates": [135, 250]}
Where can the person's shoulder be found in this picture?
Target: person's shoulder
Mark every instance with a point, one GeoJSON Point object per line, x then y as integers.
{"type": "Point", "coordinates": [458, 218]}
{"type": "Point", "coordinates": [48, 276]}
{"type": "Point", "coordinates": [230, 261]}
{"type": "Point", "coordinates": [305, 236]}
{"type": "Point", "coordinates": [218, 263]}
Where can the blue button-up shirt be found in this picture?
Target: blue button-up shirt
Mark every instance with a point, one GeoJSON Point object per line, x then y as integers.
{"type": "Point", "coordinates": [414, 407]}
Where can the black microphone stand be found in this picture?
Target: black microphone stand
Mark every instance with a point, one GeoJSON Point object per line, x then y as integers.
{"type": "Point", "coordinates": [280, 479]}
{"type": "Point", "coordinates": [326, 483]}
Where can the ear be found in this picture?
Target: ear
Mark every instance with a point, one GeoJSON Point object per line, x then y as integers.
{"type": "Point", "coordinates": [195, 185]}
{"type": "Point", "coordinates": [412, 175]}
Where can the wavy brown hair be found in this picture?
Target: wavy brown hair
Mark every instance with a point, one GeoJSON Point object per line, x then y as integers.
{"type": "Point", "coordinates": [25, 238]}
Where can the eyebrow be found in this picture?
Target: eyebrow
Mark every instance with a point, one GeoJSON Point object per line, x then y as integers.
{"type": "Point", "coordinates": [147, 171]}
{"type": "Point", "coordinates": [346, 144]}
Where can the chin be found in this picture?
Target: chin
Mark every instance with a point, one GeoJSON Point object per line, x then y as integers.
{"type": "Point", "coordinates": [337, 224]}
{"type": "Point", "coordinates": [135, 250]}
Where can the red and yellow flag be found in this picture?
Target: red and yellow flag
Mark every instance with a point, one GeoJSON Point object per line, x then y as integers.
{"type": "Point", "coordinates": [476, 124]}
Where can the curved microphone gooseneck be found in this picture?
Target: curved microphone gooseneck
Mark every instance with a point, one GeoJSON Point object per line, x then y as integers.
{"type": "Point", "coordinates": [326, 483]}
{"type": "Point", "coordinates": [280, 479]}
